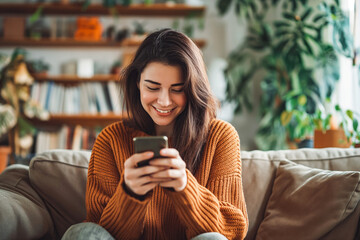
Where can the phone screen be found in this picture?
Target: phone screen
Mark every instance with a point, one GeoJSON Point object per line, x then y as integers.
{"type": "Point", "coordinates": [151, 143]}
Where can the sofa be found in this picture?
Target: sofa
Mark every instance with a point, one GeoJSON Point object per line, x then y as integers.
{"type": "Point", "coordinates": [290, 194]}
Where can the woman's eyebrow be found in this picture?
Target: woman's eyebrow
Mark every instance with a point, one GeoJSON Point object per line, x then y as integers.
{"type": "Point", "coordinates": [146, 80]}
{"type": "Point", "coordinates": [177, 84]}
{"type": "Point", "coordinates": [173, 85]}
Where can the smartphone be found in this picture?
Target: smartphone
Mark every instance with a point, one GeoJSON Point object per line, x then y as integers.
{"type": "Point", "coordinates": [152, 143]}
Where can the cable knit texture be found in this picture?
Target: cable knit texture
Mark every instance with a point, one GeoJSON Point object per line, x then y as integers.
{"type": "Point", "coordinates": [212, 201]}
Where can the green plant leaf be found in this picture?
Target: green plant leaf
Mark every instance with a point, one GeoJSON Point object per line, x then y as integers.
{"type": "Point", "coordinates": [86, 4]}
{"type": "Point", "coordinates": [285, 117]}
{"type": "Point", "coordinates": [223, 6]}
{"type": "Point", "coordinates": [350, 114]}
{"type": "Point", "coordinates": [355, 125]}
{"type": "Point", "coordinates": [33, 18]}
{"type": "Point", "coordinates": [306, 14]}
{"type": "Point", "coordinates": [289, 15]}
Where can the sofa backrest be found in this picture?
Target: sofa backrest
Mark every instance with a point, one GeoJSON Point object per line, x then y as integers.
{"type": "Point", "coordinates": [259, 169]}
{"type": "Point", "coordinates": [59, 177]}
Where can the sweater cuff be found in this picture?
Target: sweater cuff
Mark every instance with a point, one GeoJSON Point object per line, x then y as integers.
{"type": "Point", "coordinates": [130, 196]}
{"type": "Point", "coordinates": [189, 195]}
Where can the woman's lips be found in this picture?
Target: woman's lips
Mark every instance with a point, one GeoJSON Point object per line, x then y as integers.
{"type": "Point", "coordinates": [163, 112]}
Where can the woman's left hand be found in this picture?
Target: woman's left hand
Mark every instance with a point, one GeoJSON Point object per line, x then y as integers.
{"type": "Point", "coordinates": [175, 172]}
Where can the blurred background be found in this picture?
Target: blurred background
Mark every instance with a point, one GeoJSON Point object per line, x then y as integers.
{"type": "Point", "coordinates": [282, 69]}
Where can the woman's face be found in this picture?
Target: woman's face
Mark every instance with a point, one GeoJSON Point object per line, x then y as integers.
{"type": "Point", "coordinates": [162, 95]}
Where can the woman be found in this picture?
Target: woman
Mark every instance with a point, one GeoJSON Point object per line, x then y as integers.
{"type": "Point", "coordinates": [196, 187]}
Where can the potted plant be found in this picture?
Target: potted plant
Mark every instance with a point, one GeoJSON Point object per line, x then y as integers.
{"type": "Point", "coordinates": [328, 131]}
{"type": "Point", "coordinates": [298, 123]}
{"type": "Point", "coordinates": [17, 106]}
{"type": "Point", "coordinates": [350, 124]}
{"type": "Point", "coordinates": [38, 67]}
{"type": "Point", "coordinates": [288, 56]}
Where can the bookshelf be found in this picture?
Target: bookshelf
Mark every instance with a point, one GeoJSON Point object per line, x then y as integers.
{"type": "Point", "coordinates": [86, 120]}
{"type": "Point", "coordinates": [152, 10]}
{"type": "Point", "coordinates": [128, 45]}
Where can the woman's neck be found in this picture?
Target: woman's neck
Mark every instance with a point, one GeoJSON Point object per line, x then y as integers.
{"type": "Point", "coordinates": [164, 130]}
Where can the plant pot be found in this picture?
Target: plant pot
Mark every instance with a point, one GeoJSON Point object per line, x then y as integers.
{"type": "Point", "coordinates": [331, 138]}
{"type": "Point", "coordinates": [306, 143]}
{"type": "Point", "coordinates": [4, 156]}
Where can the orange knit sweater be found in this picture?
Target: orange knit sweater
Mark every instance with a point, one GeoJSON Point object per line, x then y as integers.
{"type": "Point", "coordinates": [212, 201]}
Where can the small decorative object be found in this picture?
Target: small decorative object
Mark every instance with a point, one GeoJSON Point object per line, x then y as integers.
{"type": "Point", "coordinates": [17, 106]}
{"type": "Point", "coordinates": [122, 34]}
{"type": "Point", "coordinates": [116, 67]}
{"type": "Point", "coordinates": [38, 67]}
{"type": "Point", "coordinates": [331, 138]}
{"type": "Point", "coordinates": [14, 27]}
{"type": "Point", "coordinates": [88, 29]}
{"type": "Point", "coordinates": [38, 30]}
{"type": "Point", "coordinates": [110, 33]}
{"type": "Point", "coordinates": [330, 132]}
{"type": "Point", "coordinates": [4, 156]}
{"type": "Point", "coordinates": [85, 68]}
{"type": "Point", "coordinates": [139, 33]}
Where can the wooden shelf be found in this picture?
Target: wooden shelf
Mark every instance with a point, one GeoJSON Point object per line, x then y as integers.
{"type": "Point", "coordinates": [74, 43]}
{"type": "Point", "coordinates": [88, 120]}
{"type": "Point", "coordinates": [158, 9]}
{"type": "Point", "coordinates": [74, 78]}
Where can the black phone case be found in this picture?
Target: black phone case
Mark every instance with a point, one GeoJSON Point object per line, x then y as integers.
{"type": "Point", "coordinates": [153, 143]}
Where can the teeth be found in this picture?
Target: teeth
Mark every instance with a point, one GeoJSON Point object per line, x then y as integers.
{"type": "Point", "coordinates": [161, 111]}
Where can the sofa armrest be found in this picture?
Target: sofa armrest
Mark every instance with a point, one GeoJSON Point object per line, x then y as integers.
{"type": "Point", "coordinates": [23, 214]}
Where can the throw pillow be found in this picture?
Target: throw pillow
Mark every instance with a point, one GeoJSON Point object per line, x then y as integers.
{"type": "Point", "coordinates": [306, 203]}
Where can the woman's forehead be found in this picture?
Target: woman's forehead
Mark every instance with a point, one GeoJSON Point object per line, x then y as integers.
{"type": "Point", "coordinates": [162, 73]}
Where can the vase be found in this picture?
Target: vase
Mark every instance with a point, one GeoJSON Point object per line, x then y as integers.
{"type": "Point", "coordinates": [4, 156]}
{"type": "Point", "coordinates": [331, 138]}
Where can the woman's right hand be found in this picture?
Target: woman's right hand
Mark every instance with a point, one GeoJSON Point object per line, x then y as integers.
{"type": "Point", "coordinates": [138, 179]}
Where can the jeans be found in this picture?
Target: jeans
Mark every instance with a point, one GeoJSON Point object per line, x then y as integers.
{"type": "Point", "coordinates": [93, 231]}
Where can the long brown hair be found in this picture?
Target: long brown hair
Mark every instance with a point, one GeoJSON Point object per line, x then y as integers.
{"type": "Point", "coordinates": [192, 125]}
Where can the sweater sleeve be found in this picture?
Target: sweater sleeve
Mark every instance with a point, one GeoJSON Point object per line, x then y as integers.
{"type": "Point", "coordinates": [107, 202]}
{"type": "Point", "coordinates": [220, 205]}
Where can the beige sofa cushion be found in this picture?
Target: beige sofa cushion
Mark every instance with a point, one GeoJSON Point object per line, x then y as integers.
{"type": "Point", "coordinates": [23, 215]}
{"type": "Point", "coordinates": [259, 170]}
{"type": "Point", "coordinates": [307, 203]}
{"type": "Point", "coordinates": [59, 176]}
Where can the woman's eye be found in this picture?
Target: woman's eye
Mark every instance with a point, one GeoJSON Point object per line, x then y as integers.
{"type": "Point", "coordinates": [177, 90]}
{"type": "Point", "coordinates": [153, 89]}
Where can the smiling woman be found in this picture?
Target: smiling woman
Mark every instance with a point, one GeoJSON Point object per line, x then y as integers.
{"type": "Point", "coordinates": [180, 195]}
{"type": "Point", "coordinates": [162, 95]}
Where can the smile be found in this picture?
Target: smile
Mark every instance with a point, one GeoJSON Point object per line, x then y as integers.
{"type": "Point", "coordinates": [163, 111]}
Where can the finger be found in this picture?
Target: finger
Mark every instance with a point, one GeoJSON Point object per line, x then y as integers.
{"type": "Point", "coordinates": [176, 163]}
{"type": "Point", "coordinates": [169, 152]}
{"type": "Point", "coordinates": [146, 188]}
{"type": "Point", "coordinates": [169, 173]}
{"type": "Point", "coordinates": [143, 171]}
{"type": "Point", "coordinates": [175, 184]}
{"type": "Point", "coordinates": [138, 157]}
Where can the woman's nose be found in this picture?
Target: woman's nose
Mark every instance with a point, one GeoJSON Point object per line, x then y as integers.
{"type": "Point", "coordinates": [164, 98]}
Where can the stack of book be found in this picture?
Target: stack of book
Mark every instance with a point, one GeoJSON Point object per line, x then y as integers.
{"type": "Point", "coordinates": [88, 97]}
{"type": "Point", "coordinates": [76, 138]}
